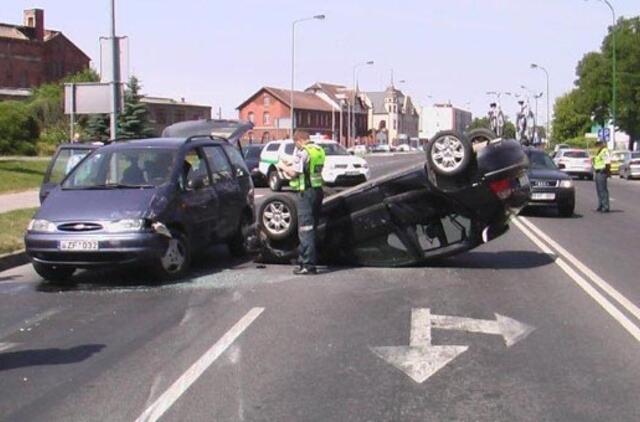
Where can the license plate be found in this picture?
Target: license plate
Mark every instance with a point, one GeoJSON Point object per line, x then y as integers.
{"type": "Point", "coordinates": [352, 173]}
{"type": "Point", "coordinates": [543, 196]}
{"type": "Point", "coordinates": [78, 245]}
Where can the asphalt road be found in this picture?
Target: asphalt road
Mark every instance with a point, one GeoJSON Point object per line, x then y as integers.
{"type": "Point", "coordinates": [236, 341]}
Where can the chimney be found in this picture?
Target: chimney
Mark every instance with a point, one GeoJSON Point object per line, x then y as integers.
{"type": "Point", "coordinates": [34, 18]}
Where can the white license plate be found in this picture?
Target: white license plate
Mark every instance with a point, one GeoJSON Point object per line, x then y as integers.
{"type": "Point", "coordinates": [78, 245]}
{"type": "Point", "coordinates": [352, 173]}
{"type": "Point", "coordinates": [543, 196]}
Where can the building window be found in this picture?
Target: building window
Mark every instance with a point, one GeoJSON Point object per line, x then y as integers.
{"type": "Point", "coordinates": [161, 117]}
{"type": "Point", "coordinates": [267, 101]}
{"type": "Point", "coordinates": [30, 22]}
{"type": "Point", "coordinates": [179, 116]}
{"type": "Point", "coordinates": [395, 124]}
{"type": "Point", "coordinates": [252, 117]}
{"type": "Point", "coordinates": [266, 118]}
{"type": "Point", "coordinates": [308, 119]}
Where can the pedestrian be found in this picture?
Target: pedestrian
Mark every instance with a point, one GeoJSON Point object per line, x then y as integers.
{"type": "Point", "coordinates": [601, 167]}
{"type": "Point", "coordinates": [306, 179]}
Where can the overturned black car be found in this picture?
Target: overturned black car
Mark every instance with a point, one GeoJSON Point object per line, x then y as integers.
{"type": "Point", "coordinates": [462, 196]}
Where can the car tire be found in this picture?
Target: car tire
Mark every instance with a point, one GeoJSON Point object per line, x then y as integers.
{"type": "Point", "coordinates": [480, 135]}
{"type": "Point", "coordinates": [449, 153]}
{"type": "Point", "coordinates": [175, 260]}
{"type": "Point", "coordinates": [55, 273]}
{"type": "Point", "coordinates": [278, 217]}
{"type": "Point", "coordinates": [275, 184]}
{"type": "Point", "coordinates": [566, 209]}
{"type": "Point", "coordinates": [239, 243]}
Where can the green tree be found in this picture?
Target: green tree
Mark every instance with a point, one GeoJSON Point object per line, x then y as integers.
{"type": "Point", "coordinates": [483, 122]}
{"type": "Point", "coordinates": [134, 120]}
{"type": "Point", "coordinates": [570, 117]}
{"type": "Point", "coordinates": [18, 129]}
{"type": "Point", "coordinates": [97, 127]}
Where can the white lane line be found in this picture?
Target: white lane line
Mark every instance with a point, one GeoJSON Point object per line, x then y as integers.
{"type": "Point", "coordinates": [166, 400]}
{"type": "Point", "coordinates": [598, 281]}
{"type": "Point", "coordinates": [7, 346]}
{"type": "Point", "coordinates": [584, 284]}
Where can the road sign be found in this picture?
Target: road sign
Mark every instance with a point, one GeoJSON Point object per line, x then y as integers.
{"type": "Point", "coordinates": [420, 359]}
{"type": "Point", "coordinates": [604, 133]}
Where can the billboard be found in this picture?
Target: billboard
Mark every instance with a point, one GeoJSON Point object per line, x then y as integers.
{"type": "Point", "coordinates": [88, 98]}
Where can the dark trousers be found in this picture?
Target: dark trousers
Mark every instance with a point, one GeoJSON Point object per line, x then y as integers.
{"type": "Point", "coordinates": [309, 206]}
{"type": "Point", "coordinates": [602, 190]}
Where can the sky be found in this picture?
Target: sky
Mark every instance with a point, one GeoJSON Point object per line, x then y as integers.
{"type": "Point", "coordinates": [220, 52]}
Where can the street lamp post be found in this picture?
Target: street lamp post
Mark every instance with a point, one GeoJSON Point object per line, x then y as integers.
{"type": "Point", "coordinates": [115, 82]}
{"type": "Point", "coordinates": [536, 66]}
{"type": "Point", "coordinates": [293, 52]}
{"type": "Point", "coordinates": [351, 104]}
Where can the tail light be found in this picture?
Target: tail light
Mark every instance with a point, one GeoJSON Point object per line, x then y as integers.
{"type": "Point", "coordinates": [502, 188]}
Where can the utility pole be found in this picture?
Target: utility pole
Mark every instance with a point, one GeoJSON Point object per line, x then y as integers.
{"type": "Point", "coordinates": [115, 83]}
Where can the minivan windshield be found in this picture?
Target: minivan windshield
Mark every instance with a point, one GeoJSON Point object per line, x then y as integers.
{"type": "Point", "coordinates": [123, 168]}
{"type": "Point", "coordinates": [334, 149]}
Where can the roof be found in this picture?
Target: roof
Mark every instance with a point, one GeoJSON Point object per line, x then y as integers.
{"type": "Point", "coordinates": [377, 101]}
{"type": "Point", "coordinates": [168, 101]}
{"type": "Point", "coordinates": [26, 33]}
{"type": "Point", "coordinates": [301, 100]}
{"type": "Point", "coordinates": [155, 142]}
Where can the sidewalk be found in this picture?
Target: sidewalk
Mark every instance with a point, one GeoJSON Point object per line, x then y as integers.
{"type": "Point", "coordinates": [15, 201]}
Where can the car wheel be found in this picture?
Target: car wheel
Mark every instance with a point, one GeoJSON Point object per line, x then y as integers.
{"type": "Point", "coordinates": [55, 273]}
{"type": "Point", "coordinates": [566, 209]}
{"type": "Point", "coordinates": [449, 153]}
{"type": "Point", "coordinates": [239, 244]}
{"type": "Point", "coordinates": [176, 258]}
{"type": "Point", "coordinates": [480, 135]}
{"type": "Point", "coordinates": [274, 181]}
{"type": "Point", "coordinates": [278, 217]}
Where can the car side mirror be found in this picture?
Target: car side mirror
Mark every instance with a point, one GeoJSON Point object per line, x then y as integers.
{"type": "Point", "coordinates": [198, 182]}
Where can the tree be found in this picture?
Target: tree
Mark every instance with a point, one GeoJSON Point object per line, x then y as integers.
{"type": "Point", "coordinates": [134, 120]}
{"type": "Point", "coordinates": [18, 129]}
{"type": "Point", "coordinates": [570, 117]}
{"type": "Point", "coordinates": [509, 130]}
{"type": "Point", "coordinates": [97, 127]}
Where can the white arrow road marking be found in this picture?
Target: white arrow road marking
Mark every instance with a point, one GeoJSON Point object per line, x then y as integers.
{"type": "Point", "coordinates": [511, 330]}
{"type": "Point", "coordinates": [420, 360]}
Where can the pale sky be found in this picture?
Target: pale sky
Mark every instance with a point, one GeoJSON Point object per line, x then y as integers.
{"type": "Point", "coordinates": [220, 52]}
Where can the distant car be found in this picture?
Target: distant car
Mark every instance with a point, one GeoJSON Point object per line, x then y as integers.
{"type": "Point", "coordinates": [575, 162]}
{"type": "Point", "coordinates": [455, 201]}
{"type": "Point", "coordinates": [65, 159]}
{"type": "Point", "coordinates": [630, 168]}
{"type": "Point", "coordinates": [154, 202]}
{"type": "Point", "coordinates": [360, 149]}
{"type": "Point", "coordinates": [617, 158]}
{"type": "Point", "coordinates": [340, 167]}
{"type": "Point", "coordinates": [381, 148]}
{"type": "Point", "coordinates": [549, 185]}
{"type": "Point", "coordinates": [404, 148]}
{"type": "Point", "coordinates": [251, 154]}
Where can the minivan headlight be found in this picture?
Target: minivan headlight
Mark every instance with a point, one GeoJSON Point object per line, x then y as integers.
{"type": "Point", "coordinates": [566, 184]}
{"type": "Point", "coordinates": [40, 225]}
{"type": "Point", "coordinates": [125, 225]}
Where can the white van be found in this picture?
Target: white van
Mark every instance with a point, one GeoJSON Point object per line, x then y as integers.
{"type": "Point", "coordinates": [340, 167]}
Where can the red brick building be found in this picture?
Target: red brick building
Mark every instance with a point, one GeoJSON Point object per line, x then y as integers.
{"type": "Point", "coordinates": [321, 109]}
{"type": "Point", "coordinates": [166, 111]}
{"type": "Point", "coordinates": [31, 55]}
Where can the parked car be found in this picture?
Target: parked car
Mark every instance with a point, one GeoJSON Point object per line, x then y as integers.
{"type": "Point", "coordinates": [575, 162]}
{"type": "Point", "coordinates": [154, 202]}
{"type": "Point", "coordinates": [454, 201]}
{"type": "Point", "coordinates": [630, 168]}
{"type": "Point", "coordinates": [340, 167]}
{"type": "Point", "coordinates": [251, 155]}
{"type": "Point", "coordinates": [617, 158]}
{"type": "Point", "coordinates": [381, 148]}
{"type": "Point", "coordinates": [66, 157]}
{"type": "Point", "coordinates": [549, 185]}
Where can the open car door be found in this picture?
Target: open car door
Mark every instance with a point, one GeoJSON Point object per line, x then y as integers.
{"type": "Point", "coordinates": [65, 159]}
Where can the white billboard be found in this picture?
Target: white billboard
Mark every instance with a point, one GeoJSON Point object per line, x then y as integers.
{"type": "Point", "coordinates": [88, 98]}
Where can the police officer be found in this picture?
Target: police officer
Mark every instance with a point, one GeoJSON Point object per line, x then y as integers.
{"type": "Point", "coordinates": [601, 166]}
{"type": "Point", "coordinates": [306, 178]}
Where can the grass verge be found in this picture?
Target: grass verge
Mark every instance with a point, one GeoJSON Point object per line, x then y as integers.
{"type": "Point", "coordinates": [12, 227]}
{"type": "Point", "coordinates": [19, 175]}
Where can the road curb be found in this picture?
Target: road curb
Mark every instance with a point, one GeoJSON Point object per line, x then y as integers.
{"type": "Point", "coordinates": [13, 259]}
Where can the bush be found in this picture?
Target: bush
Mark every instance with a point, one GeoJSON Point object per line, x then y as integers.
{"type": "Point", "coordinates": [18, 129]}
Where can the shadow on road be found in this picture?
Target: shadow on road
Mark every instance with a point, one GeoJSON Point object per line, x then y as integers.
{"type": "Point", "coordinates": [508, 260]}
{"type": "Point", "coordinates": [26, 358]}
{"type": "Point", "coordinates": [214, 260]}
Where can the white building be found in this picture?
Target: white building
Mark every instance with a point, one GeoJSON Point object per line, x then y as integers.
{"type": "Point", "coordinates": [442, 117]}
{"type": "Point", "coordinates": [392, 116]}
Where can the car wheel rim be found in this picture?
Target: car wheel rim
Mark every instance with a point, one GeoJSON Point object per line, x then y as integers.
{"type": "Point", "coordinates": [276, 218]}
{"type": "Point", "coordinates": [447, 153]}
{"type": "Point", "coordinates": [174, 257]}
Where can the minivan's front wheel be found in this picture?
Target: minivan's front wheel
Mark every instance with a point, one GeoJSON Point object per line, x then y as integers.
{"type": "Point", "coordinates": [176, 258]}
{"type": "Point", "coordinates": [55, 273]}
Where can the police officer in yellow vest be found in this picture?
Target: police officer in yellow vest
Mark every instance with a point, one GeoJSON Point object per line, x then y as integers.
{"type": "Point", "coordinates": [601, 167]}
{"type": "Point", "coordinates": [306, 178]}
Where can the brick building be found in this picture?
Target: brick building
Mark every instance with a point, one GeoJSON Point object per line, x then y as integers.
{"type": "Point", "coordinates": [321, 109]}
{"type": "Point", "coordinates": [166, 111]}
{"type": "Point", "coordinates": [31, 55]}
